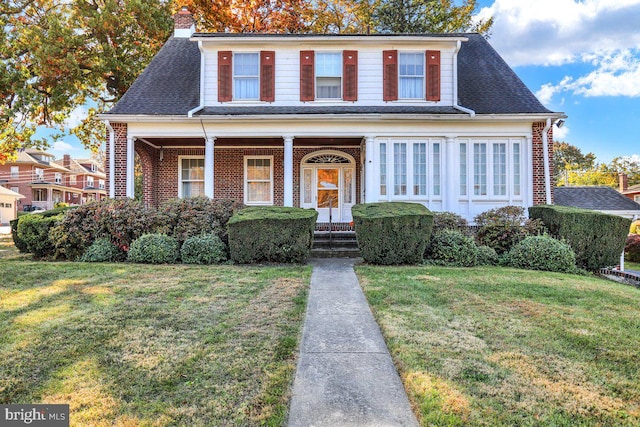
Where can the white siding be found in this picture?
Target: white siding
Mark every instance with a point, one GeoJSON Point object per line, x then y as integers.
{"type": "Point", "coordinates": [287, 73]}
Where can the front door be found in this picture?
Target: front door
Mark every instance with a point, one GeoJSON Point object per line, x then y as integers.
{"type": "Point", "coordinates": [328, 194]}
{"type": "Point", "coordinates": [328, 185]}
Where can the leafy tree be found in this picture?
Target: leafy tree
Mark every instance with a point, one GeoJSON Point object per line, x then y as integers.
{"type": "Point", "coordinates": [568, 158]}
{"type": "Point", "coordinates": [429, 16]}
{"type": "Point", "coordinates": [342, 16]}
{"type": "Point", "coordinates": [599, 175]}
{"type": "Point", "coordinates": [627, 165]}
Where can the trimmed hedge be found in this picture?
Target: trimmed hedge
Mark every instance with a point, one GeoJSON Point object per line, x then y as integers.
{"type": "Point", "coordinates": [33, 231]}
{"type": "Point", "coordinates": [542, 253]}
{"type": "Point", "coordinates": [271, 233]}
{"type": "Point", "coordinates": [597, 238]}
{"type": "Point", "coordinates": [102, 250]}
{"type": "Point", "coordinates": [205, 249]}
{"type": "Point", "coordinates": [452, 248]}
{"type": "Point", "coordinates": [20, 244]}
{"type": "Point", "coordinates": [154, 249]}
{"type": "Point", "coordinates": [392, 232]}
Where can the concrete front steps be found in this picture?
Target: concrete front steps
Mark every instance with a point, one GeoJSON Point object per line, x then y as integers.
{"type": "Point", "coordinates": [340, 244]}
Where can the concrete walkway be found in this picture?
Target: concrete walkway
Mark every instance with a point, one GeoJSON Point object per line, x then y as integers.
{"type": "Point", "coordinates": [345, 375]}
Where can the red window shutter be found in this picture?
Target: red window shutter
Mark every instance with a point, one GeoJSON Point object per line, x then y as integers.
{"type": "Point", "coordinates": [225, 76]}
{"type": "Point", "coordinates": [390, 75]}
{"type": "Point", "coordinates": [433, 75]}
{"type": "Point", "coordinates": [267, 76]}
{"type": "Point", "coordinates": [307, 75]}
{"type": "Point", "coordinates": [350, 75]}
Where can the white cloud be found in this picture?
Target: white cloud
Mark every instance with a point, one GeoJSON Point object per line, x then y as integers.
{"type": "Point", "coordinates": [560, 134]}
{"type": "Point", "coordinates": [76, 117]}
{"type": "Point", "coordinates": [62, 146]}
{"type": "Point", "coordinates": [556, 32]}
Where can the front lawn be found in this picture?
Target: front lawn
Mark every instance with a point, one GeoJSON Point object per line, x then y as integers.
{"type": "Point", "coordinates": [504, 347]}
{"type": "Point", "coordinates": [632, 266]}
{"type": "Point", "coordinates": [128, 344]}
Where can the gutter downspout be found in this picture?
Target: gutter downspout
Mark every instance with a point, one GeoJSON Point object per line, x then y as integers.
{"type": "Point", "coordinates": [545, 150]}
{"type": "Point", "coordinates": [112, 157]}
{"type": "Point", "coordinates": [469, 111]}
{"type": "Point", "coordinates": [190, 113]}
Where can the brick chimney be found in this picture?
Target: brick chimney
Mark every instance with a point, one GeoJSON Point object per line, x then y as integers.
{"type": "Point", "coordinates": [66, 161]}
{"type": "Point", "coordinates": [624, 182]}
{"type": "Point", "coordinates": [183, 23]}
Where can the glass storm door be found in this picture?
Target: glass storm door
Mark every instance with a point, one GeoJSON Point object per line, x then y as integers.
{"type": "Point", "coordinates": [328, 194]}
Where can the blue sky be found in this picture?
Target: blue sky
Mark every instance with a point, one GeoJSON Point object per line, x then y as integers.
{"type": "Point", "coordinates": [579, 57]}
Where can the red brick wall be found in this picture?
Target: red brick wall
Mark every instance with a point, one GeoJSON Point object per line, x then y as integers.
{"type": "Point", "coordinates": [539, 189]}
{"type": "Point", "coordinates": [167, 172]}
{"type": "Point", "coordinates": [120, 163]}
{"type": "Point", "coordinates": [149, 158]}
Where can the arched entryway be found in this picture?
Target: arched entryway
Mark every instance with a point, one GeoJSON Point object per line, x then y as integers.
{"type": "Point", "coordinates": [328, 184]}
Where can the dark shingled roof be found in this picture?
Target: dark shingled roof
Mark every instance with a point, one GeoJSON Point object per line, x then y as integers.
{"type": "Point", "coordinates": [170, 85]}
{"type": "Point", "coordinates": [597, 198]}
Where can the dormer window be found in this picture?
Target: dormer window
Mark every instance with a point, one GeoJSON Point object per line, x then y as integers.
{"type": "Point", "coordinates": [93, 167]}
{"type": "Point", "coordinates": [246, 76]}
{"type": "Point", "coordinates": [328, 75]}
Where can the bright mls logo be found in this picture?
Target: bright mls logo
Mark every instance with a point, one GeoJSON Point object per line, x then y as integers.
{"type": "Point", "coordinates": [34, 415]}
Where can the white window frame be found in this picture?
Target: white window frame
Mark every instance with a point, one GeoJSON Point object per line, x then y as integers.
{"type": "Point", "coordinates": [234, 78]}
{"type": "Point", "coordinates": [510, 194]}
{"type": "Point", "coordinates": [15, 172]}
{"type": "Point", "coordinates": [58, 178]}
{"type": "Point", "coordinates": [180, 158]}
{"type": "Point", "coordinates": [316, 76]}
{"type": "Point", "coordinates": [73, 179]}
{"type": "Point", "coordinates": [421, 94]}
{"type": "Point", "coordinates": [410, 184]}
{"type": "Point", "coordinates": [246, 181]}
{"type": "Point", "coordinates": [15, 189]}
{"type": "Point", "coordinates": [90, 181]}
{"type": "Point", "coordinates": [38, 174]}
{"type": "Point", "coordinates": [101, 184]}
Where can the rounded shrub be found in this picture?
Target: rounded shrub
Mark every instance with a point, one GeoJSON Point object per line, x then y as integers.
{"type": "Point", "coordinates": [154, 249]}
{"type": "Point", "coordinates": [487, 256]}
{"type": "Point", "coordinates": [205, 249]}
{"type": "Point", "coordinates": [449, 221]}
{"type": "Point", "coordinates": [632, 248]}
{"type": "Point", "coordinates": [542, 253]}
{"type": "Point", "coordinates": [502, 228]}
{"type": "Point", "coordinates": [33, 231]}
{"type": "Point", "coordinates": [452, 248]}
{"type": "Point", "coordinates": [102, 250]}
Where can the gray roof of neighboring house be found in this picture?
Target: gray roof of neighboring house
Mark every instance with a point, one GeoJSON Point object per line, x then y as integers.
{"type": "Point", "coordinates": [595, 197]}
{"type": "Point", "coordinates": [170, 85]}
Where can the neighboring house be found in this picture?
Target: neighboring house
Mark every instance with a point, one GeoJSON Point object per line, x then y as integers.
{"type": "Point", "coordinates": [87, 175]}
{"type": "Point", "coordinates": [8, 205]}
{"type": "Point", "coordinates": [632, 192]}
{"type": "Point", "coordinates": [320, 121]}
{"type": "Point", "coordinates": [599, 198]}
{"type": "Point", "coordinates": [37, 176]}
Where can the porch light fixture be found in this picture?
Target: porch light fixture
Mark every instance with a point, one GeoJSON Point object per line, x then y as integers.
{"type": "Point", "coordinates": [161, 154]}
{"type": "Point", "coordinates": [560, 123]}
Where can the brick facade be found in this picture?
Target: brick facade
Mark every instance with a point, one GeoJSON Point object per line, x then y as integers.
{"type": "Point", "coordinates": [183, 20]}
{"type": "Point", "coordinates": [120, 163]}
{"type": "Point", "coordinates": [539, 188]}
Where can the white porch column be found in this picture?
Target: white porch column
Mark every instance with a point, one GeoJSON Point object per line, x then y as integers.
{"type": "Point", "coordinates": [288, 170]}
{"type": "Point", "coordinates": [370, 193]}
{"type": "Point", "coordinates": [130, 188]}
{"type": "Point", "coordinates": [449, 195]}
{"type": "Point", "coordinates": [209, 146]}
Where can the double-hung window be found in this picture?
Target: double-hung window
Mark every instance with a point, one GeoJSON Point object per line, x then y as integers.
{"type": "Point", "coordinates": [258, 180]}
{"type": "Point", "coordinates": [15, 172]}
{"type": "Point", "coordinates": [246, 76]}
{"type": "Point", "coordinates": [90, 181]}
{"type": "Point", "coordinates": [328, 75]}
{"type": "Point", "coordinates": [191, 177]}
{"type": "Point", "coordinates": [58, 178]}
{"type": "Point", "coordinates": [411, 75]}
{"type": "Point", "coordinates": [39, 174]}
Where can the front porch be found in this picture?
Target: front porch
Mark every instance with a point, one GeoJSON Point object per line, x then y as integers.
{"type": "Point", "coordinates": [300, 172]}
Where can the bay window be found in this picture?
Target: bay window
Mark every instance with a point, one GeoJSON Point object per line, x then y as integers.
{"type": "Point", "coordinates": [494, 168]}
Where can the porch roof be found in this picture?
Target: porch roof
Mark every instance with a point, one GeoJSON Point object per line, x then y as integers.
{"type": "Point", "coordinates": [312, 110]}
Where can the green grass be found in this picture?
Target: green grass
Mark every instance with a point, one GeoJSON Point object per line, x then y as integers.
{"type": "Point", "coordinates": [632, 265]}
{"type": "Point", "coordinates": [128, 344]}
{"type": "Point", "coordinates": [506, 347]}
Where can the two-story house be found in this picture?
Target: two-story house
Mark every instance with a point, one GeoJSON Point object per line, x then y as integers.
{"type": "Point", "coordinates": [327, 121]}
{"type": "Point", "coordinates": [39, 178]}
{"type": "Point", "coordinates": [87, 175]}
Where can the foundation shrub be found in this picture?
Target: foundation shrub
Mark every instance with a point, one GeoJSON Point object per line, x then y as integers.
{"type": "Point", "coordinates": [392, 232]}
{"type": "Point", "coordinates": [205, 249]}
{"type": "Point", "coordinates": [597, 238]}
{"type": "Point", "coordinates": [487, 256]}
{"type": "Point", "coordinates": [185, 218]}
{"type": "Point", "coordinates": [449, 221]}
{"type": "Point", "coordinates": [20, 244]}
{"type": "Point", "coordinates": [452, 248]}
{"type": "Point", "coordinates": [154, 249]}
{"type": "Point", "coordinates": [632, 248]}
{"type": "Point", "coordinates": [125, 220]}
{"type": "Point", "coordinates": [33, 231]}
{"type": "Point", "coordinates": [76, 231]}
{"type": "Point", "coordinates": [271, 233]}
{"type": "Point", "coordinates": [502, 228]}
{"type": "Point", "coordinates": [102, 250]}
{"type": "Point", "coordinates": [542, 253]}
